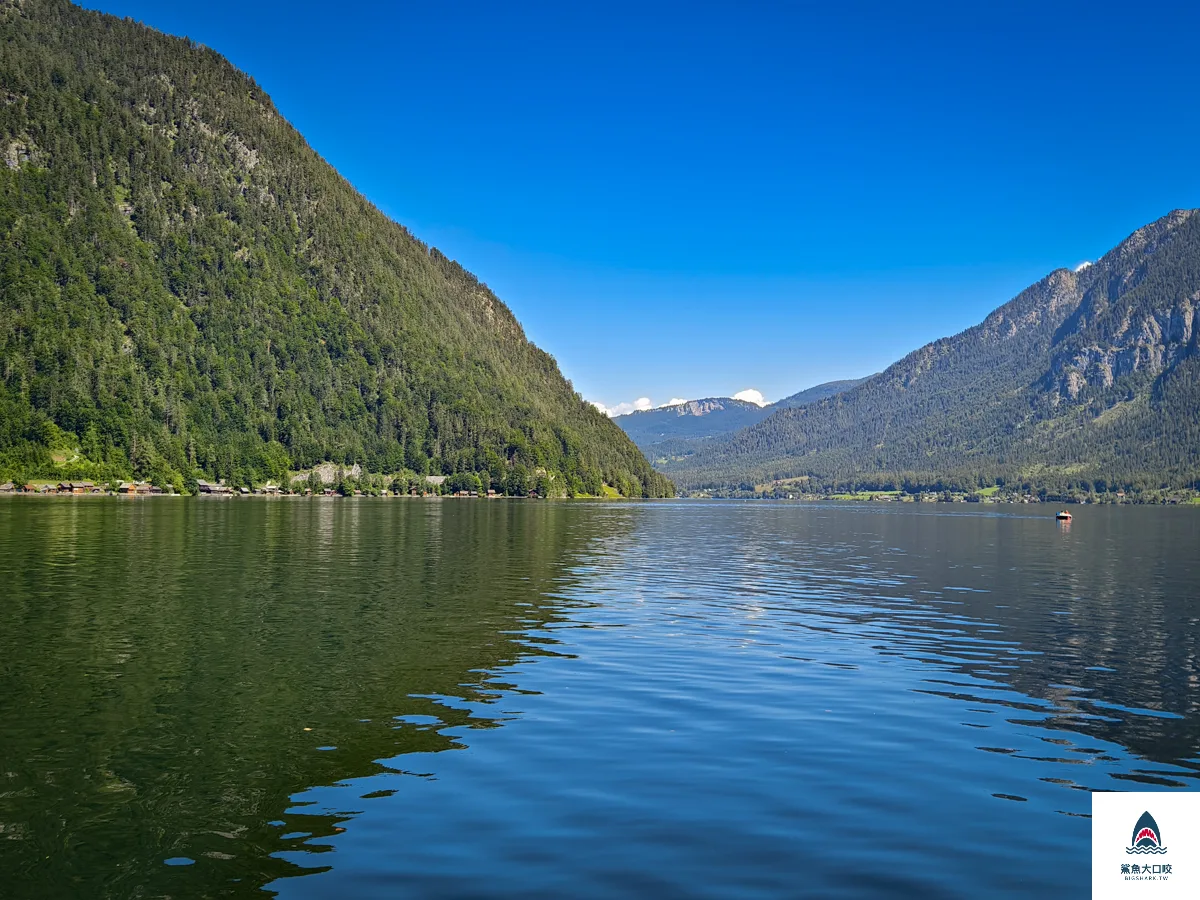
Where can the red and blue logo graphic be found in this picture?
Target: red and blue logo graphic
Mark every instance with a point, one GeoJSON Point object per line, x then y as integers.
{"type": "Point", "coordinates": [1147, 837]}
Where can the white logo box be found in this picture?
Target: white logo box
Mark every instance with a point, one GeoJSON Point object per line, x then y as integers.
{"type": "Point", "coordinates": [1154, 856]}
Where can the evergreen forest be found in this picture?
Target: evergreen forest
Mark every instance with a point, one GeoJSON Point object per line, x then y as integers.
{"type": "Point", "coordinates": [187, 291]}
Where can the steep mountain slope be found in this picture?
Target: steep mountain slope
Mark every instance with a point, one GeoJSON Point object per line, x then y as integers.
{"type": "Point", "coordinates": [186, 288]}
{"type": "Point", "coordinates": [1089, 376]}
{"type": "Point", "coordinates": [681, 428]}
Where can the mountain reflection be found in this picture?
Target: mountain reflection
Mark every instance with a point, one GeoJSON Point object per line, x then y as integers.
{"type": "Point", "coordinates": [239, 688]}
{"type": "Point", "coordinates": [174, 672]}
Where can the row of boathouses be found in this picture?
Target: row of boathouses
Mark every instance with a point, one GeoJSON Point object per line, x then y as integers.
{"type": "Point", "coordinates": [82, 487]}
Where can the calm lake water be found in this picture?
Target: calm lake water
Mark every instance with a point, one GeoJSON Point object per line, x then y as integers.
{"type": "Point", "coordinates": [379, 698]}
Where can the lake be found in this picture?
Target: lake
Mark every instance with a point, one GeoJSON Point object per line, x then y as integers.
{"type": "Point", "coordinates": [373, 698]}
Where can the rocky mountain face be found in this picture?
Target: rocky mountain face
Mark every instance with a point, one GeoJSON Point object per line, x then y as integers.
{"type": "Point", "coordinates": [1089, 376]}
{"type": "Point", "coordinates": [708, 405]}
{"type": "Point", "coordinates": [1122, 325]}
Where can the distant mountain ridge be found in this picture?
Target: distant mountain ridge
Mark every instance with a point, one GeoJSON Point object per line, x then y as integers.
{"type": "Point", "coordinates": [815, 393]}
{"type": "Point", "coordinates": [677, 429]}
{"type": "Point", "coordinates": [1087, 378]}
{"type": "Point", "coordinates": [689, 420]}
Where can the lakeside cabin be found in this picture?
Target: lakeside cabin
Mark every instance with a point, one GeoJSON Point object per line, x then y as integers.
{"type": "Point", "coordinates": [7, 488]}
{"type": "Point", "coordinates": [78, 487]}
{"type": "Point", "coordinates": [138, 488]}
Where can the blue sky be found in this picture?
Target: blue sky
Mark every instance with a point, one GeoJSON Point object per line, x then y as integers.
{"type": "Point", "coordinates": [689, 199]}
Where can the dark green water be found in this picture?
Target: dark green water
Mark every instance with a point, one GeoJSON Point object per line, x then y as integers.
{"type": "Point", "coordinates": [466, 698]}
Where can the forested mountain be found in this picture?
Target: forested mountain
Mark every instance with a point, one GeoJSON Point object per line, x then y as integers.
{"type": "Point", "coordinates": [681, 427]}
{"type": "Point", "coordinates": [1086, 379]}
{"type": "Point", "coordinates": [187, 289]}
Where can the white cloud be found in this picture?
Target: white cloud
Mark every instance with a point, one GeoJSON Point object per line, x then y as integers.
{"type": "Point", "coordinates": [622, 409]}
{"type": "Point", "coordinates": [1083, 265]}
{"type": "Point", "coordinates": [750, 395]}
{"type": "Point", "coordinates": [674, 401]}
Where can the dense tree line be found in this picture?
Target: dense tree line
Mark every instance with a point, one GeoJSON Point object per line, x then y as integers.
{"type": "Point", "coordinates": [187, 289]}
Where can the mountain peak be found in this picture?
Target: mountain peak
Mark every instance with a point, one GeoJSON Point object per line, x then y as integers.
{"type": "Point", "coordinates": [1085, 375]}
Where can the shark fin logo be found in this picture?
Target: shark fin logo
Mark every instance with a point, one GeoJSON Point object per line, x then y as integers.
{"type": "Point", "coordinates": [1147, 838]}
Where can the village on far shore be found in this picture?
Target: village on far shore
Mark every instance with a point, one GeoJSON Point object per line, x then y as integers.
{"type": "Point", "coordinates": [434, 485]}
{"type": "Point", "coordinates": [322, 481]}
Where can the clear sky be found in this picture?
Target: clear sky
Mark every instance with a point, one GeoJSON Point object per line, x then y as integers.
{"type": "Point", "coordinates": [682, 200]}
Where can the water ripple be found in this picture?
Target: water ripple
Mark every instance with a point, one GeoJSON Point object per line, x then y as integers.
{"type": "Point", "coordinates": [491, 699]}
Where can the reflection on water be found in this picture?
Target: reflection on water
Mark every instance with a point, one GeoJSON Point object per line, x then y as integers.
{"type": "Point", "coordinates": [203, 698]}
{"type": "Point", "coordinates": [172, 670]}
